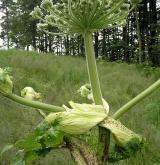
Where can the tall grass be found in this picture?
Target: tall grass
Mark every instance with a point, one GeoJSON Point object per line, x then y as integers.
{"type": "Point", "coordinates": [58, 78]}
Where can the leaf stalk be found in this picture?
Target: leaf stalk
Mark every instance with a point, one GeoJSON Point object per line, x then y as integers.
{"type": "Point", "coordinates": [136, 100]}
{"type": "Point", "coordinates": [35, 104]}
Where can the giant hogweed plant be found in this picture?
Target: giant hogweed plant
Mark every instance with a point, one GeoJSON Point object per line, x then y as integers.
{"type": "Point", "coordinates": [62, 125]}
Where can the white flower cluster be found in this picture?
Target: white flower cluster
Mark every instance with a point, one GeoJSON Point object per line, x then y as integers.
{"type": "Point", "coordinates": [42, 26]}
{"type": "Point", "coordinates": [79, 16]}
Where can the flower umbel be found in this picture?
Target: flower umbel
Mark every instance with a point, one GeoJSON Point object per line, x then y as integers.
{"type": "Point", "coordinates": [79, 16]}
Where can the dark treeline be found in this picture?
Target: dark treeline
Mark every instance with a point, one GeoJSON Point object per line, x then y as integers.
{"type": "Point", "coordinates": [138, 41]}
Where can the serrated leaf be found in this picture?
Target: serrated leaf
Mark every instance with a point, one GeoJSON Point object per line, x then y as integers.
{"type": "Point", "coordinates": [41, 140]}
{"type": "Point", "coordinates": [38, 143]}
{"type": "Point", "coordinates": [54, 137]}
{"type": "Point", "coordinates": [29, 142]}
{"type": "Point", "coordinates": [30, 156]}
{"type": "Point", "coordinates": [42, 134]}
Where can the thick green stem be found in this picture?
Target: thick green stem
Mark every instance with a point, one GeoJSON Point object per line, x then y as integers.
{"type": "Point", "coordinates": [137, 99]}
{"type": "Point", "coordinates": [35, 104]}
{"type": "Point", "coordinates": [92, 68]}
{"type": "Point", "coordinates": [104, 135]}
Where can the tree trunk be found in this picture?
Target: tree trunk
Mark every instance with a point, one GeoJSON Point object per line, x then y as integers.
{"type": "Point", "coordinates": [7, 26]}
{"type": "Point", "coordinates": [104, 43]}
{"type": "Point", "coordinates": [139, 38]}
{"type": "Point", "coordinates": [153, 54]}
{"type": "Point", "coordinates": [96, 43]}
{"type": "Point", "coordinates": [126, 44]}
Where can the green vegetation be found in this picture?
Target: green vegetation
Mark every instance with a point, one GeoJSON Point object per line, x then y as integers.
{"type": "Point", "coordinates": [57, 79]}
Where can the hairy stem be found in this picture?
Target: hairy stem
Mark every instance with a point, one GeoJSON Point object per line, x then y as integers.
{"type": "Point", "coordinates": [136, 100]}
{"type": "Point", "coordinates": [75, 153]}
{"type": "Point", "coordinates": [104, 135]}
{"type": "Point", "coordinates": [85, 151]}
{"type": "Point", "coordinates": [35, 104]}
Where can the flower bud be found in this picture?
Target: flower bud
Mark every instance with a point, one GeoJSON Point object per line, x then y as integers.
{"type": "Point", "coordinates": [80, 119]}
{"type": "Point", "coordinates": [6, 85]}
{"type": "Point", "coordinates": [30, 94]}
{"type": "Point", "coordinates": [125, 7]}
{"type": "Point", "coordinates": [46, 4]}
{"type": "Point", "coordinates": [42, 27]}
{"type": "Point", "coordinates": [50, 18]}
{"type": "Point", "coordinates": [36, 13]}
{"type": "Point", "coordinates": [85, 90]}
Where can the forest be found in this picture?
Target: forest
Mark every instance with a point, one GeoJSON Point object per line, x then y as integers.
{"type": "Point", "coordinates": [80, 82]}
{"type": "Point", "coordinates": [136, 42]}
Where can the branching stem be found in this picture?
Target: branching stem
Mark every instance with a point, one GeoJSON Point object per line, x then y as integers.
{"type": "Point", "coordinates": [35, 104]}
{"type": "Point", "coordinates": [136, 100]}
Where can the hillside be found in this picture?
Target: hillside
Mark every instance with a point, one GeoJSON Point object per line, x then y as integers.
{"type": "Point", "coordinates": [58, 78]}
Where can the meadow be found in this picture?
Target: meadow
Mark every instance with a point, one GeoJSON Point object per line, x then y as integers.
{"type": "Point", "coordinates": [58, 78]}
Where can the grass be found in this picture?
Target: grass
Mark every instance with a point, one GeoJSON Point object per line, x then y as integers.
{"type": "Point", "coordinates": [58, 78]}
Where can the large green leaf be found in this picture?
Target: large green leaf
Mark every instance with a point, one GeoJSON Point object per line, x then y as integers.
{"type": "Point", "coordinates": [45, 137]}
